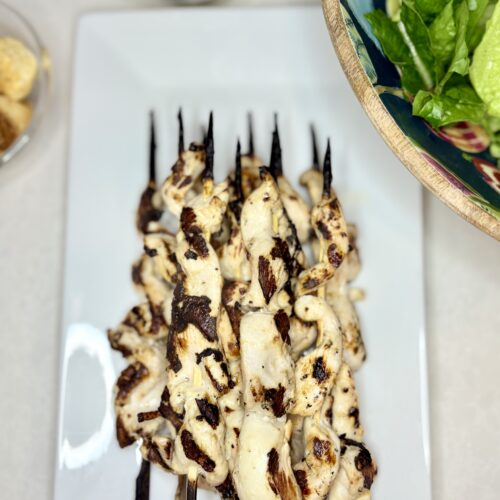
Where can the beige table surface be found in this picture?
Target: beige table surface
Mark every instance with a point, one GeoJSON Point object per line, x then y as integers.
{"type": "Point", "coordinates": [462, 275]}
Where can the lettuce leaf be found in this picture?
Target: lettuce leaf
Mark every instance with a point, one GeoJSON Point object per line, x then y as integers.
{"type": "Point", "coordinates": [431, 41]}
{"type": "Point", "coordinates": [455, 104]}
{"type": "Point", "coordinates": [479, 12]}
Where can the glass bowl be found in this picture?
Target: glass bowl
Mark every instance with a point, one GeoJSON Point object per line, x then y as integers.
{"type": "Point", "coordinates": [13, 24]}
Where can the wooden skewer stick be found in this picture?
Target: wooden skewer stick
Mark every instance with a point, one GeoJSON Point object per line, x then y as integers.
{"type": "Point", "coordinates": [180, 146]}
{"type": "Point", "coordinates": [251, 150]}
{"type": "Point", "coordinates": [208, 172]}
{"type": "Point", "coordinates": [152, 149]}
{"type": "Point", "coordinates": [327, 172]}
{"type": "Point", "coordinates": [142, 481]}
{"type": "Point", "coordinates": [237, 173]}
{"type": "Point", "coordinates": [192, 484]}
{"type": "Point", "coordinates": [314, 148]}
{"type": "Point", "coordinates": [275, 163]}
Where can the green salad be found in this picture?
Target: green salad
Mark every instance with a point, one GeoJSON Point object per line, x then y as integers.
{"type": "Point", "coordinates": [448, 55]}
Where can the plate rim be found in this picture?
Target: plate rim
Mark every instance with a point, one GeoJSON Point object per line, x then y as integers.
{"type": "Point", "coordinates": [392, 134]}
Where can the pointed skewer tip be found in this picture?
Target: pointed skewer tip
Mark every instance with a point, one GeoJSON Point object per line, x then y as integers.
{"type": "Point", "coordinates": [152, 148]}
{"type": "Point", "coordinates": [327, 171]}
{"type": "Point", "coordinates": [251, 149]}
{"type": "Point", "coordinates": [208, 173]}
{"type": "Point", "coordinates": [180, 146]}
{"type": "Point", "coordinates": [237, 173]}
{"type": "Point", "coordinates": [275, 163]}
{"type": "Point", "coordinates": [314, 148]}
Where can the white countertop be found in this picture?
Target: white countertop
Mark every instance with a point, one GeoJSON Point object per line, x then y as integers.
{"type": "Point", "coordinates": [462, 275]}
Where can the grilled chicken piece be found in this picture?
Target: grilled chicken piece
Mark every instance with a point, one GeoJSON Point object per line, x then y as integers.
{"type": "Point", "coordinates": [232, 255]}
{"type": "Point", "coordinates": [356, 474]}
{"type": "Point", "coordinates": [229, 327]}
{"type": "Point", "coordinates": [199, 444]}
{"type": "Point", "coordinates": [302, 336]}
{"type": "Point", "coordinates": [231, 403]}
{"type": "Point", "coordinates": [141, 340]}
{"type": "Point", "coordinates": [331, 230]}
{"type": "Point", "coordinates": [197, 298]}
{"type": "Point", "coordinates": [154, 273]}
{"type": "Point", "coordinates": [338, 296]}
{"type": "Point", "coordinates": [266, 366]}
{"type": "Point", "coordinates": [295, 206]}
{"type": "Point", "coordinates": [312, 179]}
{"type": "Point", "coordinates": [345, 408]}
{"type": "Point", "coordinates": [316, 370]}
{"type": "Point", "coordinates": [143, 323]}
{"type": "Point", "coordinates": [261, 217]}
{"type": "Point", "coordinates": [357, 466]}
{"type": "Point", "coordinates": [250, 164]}
{"type": "Point", "coordinates": [250, 176]}
{"type": "Point", "coordinates": [138, 395]}
{"type": "Point", "coordinates": [263, 468]}
{"type": "Point", "coordinates": [275, 253]}
{"type": "Point", "coordinates": [320, 465]}
{"type": "Point", "coordinates": [297, 444]}
{"type": "Point", "coordinates": [186, 170]}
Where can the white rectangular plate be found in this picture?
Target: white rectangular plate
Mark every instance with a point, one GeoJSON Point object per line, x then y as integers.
{"type": "Point", "coordinates": [230, 60]}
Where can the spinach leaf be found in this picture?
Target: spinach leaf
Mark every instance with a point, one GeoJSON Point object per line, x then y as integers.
{"type": "Point", "coordinates": [427, 8]}
{"type": "Point", "coordinates": [460, 60]}
{"type": "Point", "coordinates": [416, 37]}
{"type": "Point", "coordinates": [395, 48]}
{"type": "Point", "coordinates": [455, 104]}
{"type": "Point", "coordinates": [442, 34]}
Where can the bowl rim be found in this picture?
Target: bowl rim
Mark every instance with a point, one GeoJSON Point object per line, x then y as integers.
{"type": "Point", "coordinates": [395, 138]}
{"type": "Point", "coordinates": [43, 75]}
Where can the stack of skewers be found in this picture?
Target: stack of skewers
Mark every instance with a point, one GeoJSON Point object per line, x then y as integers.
{"type": "Point", "coordinates": [240, 357]}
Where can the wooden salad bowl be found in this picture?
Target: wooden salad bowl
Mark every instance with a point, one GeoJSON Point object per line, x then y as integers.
{"type": "Point", "coordinates": [452, 162]}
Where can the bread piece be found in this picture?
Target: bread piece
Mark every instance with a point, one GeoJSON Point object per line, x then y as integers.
{"type": "Point", "coordinates": [18, 68]}
{"type": "Point", "coordinates": [14, 118]}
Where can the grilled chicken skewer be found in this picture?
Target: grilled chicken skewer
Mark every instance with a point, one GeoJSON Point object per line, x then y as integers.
{"type": "Point", "coordinates": [315, 375]}
{"type": "Point", "coordinates": [344, 265]}
{"type": "Point", "coordinates": [354, 468]}
{"type": "Point", "coordinates": [141, 337]}
{"type": "Point", "coordinates": [263, 468]}
{"type": "Point", "coordinates": [150, 207]}
{"type": "Point", "coordinates": [153, 274]}
{"type": "Point", "coordinates": [198, 373]}
{"type": "Point", "coordinates": [331, 230]}
{"type": "Point", "coordinates": [337, 293]}
{"type": "Point", "coordinates": [316, 370]}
